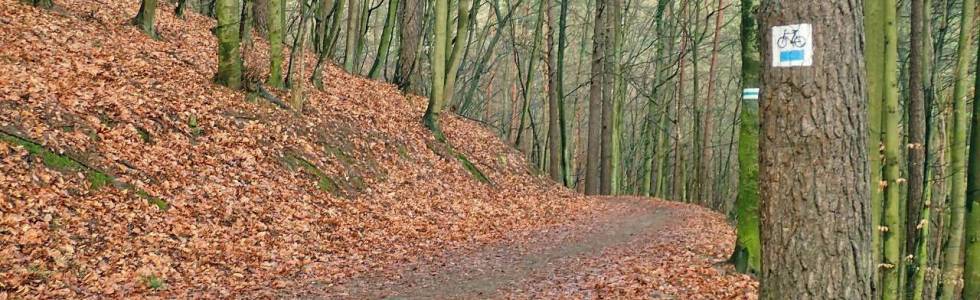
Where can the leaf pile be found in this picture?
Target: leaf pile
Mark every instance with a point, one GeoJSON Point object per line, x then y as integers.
{"type": "Point", "coordinates": [259, 199]}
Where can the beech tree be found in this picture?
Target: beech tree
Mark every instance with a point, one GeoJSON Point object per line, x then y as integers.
{"type": "Point", "coordinates": [276, 17]}
{"type": "Point", "coordinates": [746, 256]}
{"type": "Point", "coordinates": [144, 19]}
{"type": "Point", "coordinates": [813, 151]}
{"type": "Point", "coordinates": [229, 52]}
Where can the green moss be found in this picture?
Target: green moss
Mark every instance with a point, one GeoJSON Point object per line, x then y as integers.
{"type": "Point", "coordinates": [470, 167]}
{"type": "Point", "coordinates": [403, 152]}
{"type": "Point", "coordinates": [144, 135]}
{"type": "Point", "coordinates": [324, 182]}
{"type": "Point", "coordinates": [340, 154]}
{"type": "Point", "coordinates": [154, 282]}
{"type": "Point", "coordinates": [63, 163]}
{"type": "Point", "coordinates": [192, 124]}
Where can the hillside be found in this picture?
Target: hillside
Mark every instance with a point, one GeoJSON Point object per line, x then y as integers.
{"type": "Point", "coordinates": [126, 172]}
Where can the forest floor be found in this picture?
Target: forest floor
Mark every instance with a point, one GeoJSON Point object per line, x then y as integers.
{"type": "Point", "coordinates": [126, 173]}
{"type": "Point", "coordinates": [630, 251]}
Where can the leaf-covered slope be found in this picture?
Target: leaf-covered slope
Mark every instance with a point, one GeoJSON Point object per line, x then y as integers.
{"type": "Point", "coordinates": [258, 199]}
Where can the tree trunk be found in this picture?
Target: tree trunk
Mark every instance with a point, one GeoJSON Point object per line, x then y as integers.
{"type": "Point", "coordinates": [971, 274]}
{"type": "Point", "coordinates": [816, 222]}
{"type": "Point", "coordinates": [705, 175]}
{"type": "Point", "coordinates": [953, 259]}
{"type": "Point", "coordinates": [746, 256]}
{"type": "Point", "coordinates": [384, 46]}
{"type": "Point", "coordinates": [608, 169]}
{"type": "Point", "coordinates": [529, 79]}
{"type": "Point", "coordinates": [596, 85]}
{"type": "Point", "coordinates": [275, 32]}
{"type": "Point", "coordinates": [245, 26]}
{"type": "Point", "coordinates": [179, 10]}
{"type": "Point", "coordinates": [410, 34]}
{"type": "Point", "coordinates": [353, 35]}
{"type": "Point", "coordinates": [297, 93]}
{"type": "Point", "coordinates": [456, 51]}
{"type": "Point", "coordinates": [917, 220]}
{"type": "Point", "coordinates": [893, 230]}
{"type": "Point", "coordinates": [229, 52]}
{"type": "Point", "coordinates": [144, 19]}
{"type": "Point", "coordinates": [440, 30]}
{"type": "Point", "coordinates": [565, 160]}
{"type": "Point", "coordinates": [874, 52]}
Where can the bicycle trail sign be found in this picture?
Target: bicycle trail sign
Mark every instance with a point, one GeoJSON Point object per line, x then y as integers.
{"type": "Point", "coordinates": [792, 45]}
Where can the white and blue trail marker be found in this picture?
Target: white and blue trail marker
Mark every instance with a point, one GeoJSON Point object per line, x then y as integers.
{"type": "Point", "coordinates": [792, 45]}
{"type": "Point", "coordinates": [750, 94]}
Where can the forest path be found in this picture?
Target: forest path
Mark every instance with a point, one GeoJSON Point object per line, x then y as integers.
{"type": "Point", "coordinates": [495, 271]}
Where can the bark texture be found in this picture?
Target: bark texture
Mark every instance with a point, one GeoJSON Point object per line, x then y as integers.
{"type": "Point", "coordinates": [815, 213]}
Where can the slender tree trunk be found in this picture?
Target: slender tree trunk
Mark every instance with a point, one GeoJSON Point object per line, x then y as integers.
{"type": "Point", "coordinates": [596, 85]}
{"type": "Point", "coordinates": [917, 220]}
{"type": "Point", "coordinates": [229, 52]}
{"type": "Point", "coordinates": [245, 26]}
{"type": "Point", "coordinates": [456, 51]}
{"type": "Point", "coordinates": [353, 34]}
{"type": "Point", "coordinates": [440, 32]}
{"type": "Point", "coordinates": [410, 34]}
{"type": "Point", "coordinates": [384, 47]}
{"type": "Point", "coordinates": [529, 79]}
{"type": "Point", "coordinates": [971, 275]}
{"type": "Point", "coordinates": [276, 26]}
{"type": "Point", "coordinates": [746, 256]}
{"type": "Point", "coordinates": [608, 169]}
{"type": "Point", "coordinates": [893, 230]}
{"type": "Point", "coordinates": [144, 19]}
{"type": "Point", "coordinates": [953, 259]}
{"type": "Point", "coordinates": [816, 222]}
{"type": "Point", "coordinates": [297, 93]}
{"type": "Point", "coordinates": [874, 53]}
{"type": "Point", "coordinates": [705, 175]}
{"type": "Point", "coordinates": [555, 131]}
{"type": "Point", "coordinates": [179, 10]}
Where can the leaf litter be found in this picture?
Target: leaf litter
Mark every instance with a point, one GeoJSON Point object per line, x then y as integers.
{"type": "Point", "coordinates": [242, 221]}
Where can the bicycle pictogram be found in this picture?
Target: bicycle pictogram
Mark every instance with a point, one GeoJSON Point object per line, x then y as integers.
{"type": "Point", "coordinates": [791, 37]}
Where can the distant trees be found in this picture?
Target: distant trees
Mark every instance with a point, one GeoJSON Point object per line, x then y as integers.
{"type": "Point", "coordinates": [816, 221]}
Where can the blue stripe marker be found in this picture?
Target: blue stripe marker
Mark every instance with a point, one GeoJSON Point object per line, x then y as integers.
{"type": "Point", "coordinates": [792, 55]}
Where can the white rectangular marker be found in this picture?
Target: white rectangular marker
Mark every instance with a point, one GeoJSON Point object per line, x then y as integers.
{"type": "Point", "coordinates": [750, 94]}
{"type": "Point", "coordinates": [792, 45]}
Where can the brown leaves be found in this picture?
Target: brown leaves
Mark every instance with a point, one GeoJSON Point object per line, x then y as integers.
{"type": "Point", "coordinates": [242, 223]}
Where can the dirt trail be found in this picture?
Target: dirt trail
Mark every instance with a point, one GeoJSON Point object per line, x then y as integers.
{"type": "Point", "coordinates": [488, 272]}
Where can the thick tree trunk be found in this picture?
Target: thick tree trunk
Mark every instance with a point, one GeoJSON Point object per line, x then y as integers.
{"type": "Point", "coordinates": [815, 212]}
{"type": "Point", "coordinates": [952, 280]}
{"type": "Point", "coordinates": [229, 52]}
{"type": "Point", "coordinates": [407, 72]}
{"type": "Point", "coordinates": [144, 18]}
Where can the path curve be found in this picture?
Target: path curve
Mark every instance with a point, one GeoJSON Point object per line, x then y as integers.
{"type": "Point", "coordinates": [488, 272]}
